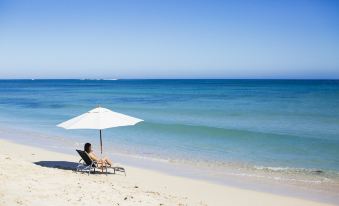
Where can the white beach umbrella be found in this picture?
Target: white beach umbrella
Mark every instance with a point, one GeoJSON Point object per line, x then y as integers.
{"type": "Point", "coordinates": [99, 118]}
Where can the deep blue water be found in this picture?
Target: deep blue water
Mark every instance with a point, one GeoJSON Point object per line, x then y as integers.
{"type": "Point", "coordinates": [270, 123]}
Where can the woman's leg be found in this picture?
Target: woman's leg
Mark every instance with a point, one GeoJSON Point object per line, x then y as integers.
{"type": "Point", "coordinates": [108, 161]}
{"type": "Point", "coordinates": [101, 163]}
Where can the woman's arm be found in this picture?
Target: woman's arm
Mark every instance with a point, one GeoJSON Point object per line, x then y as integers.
{"type": "Point", "coordinates": [93, 157]}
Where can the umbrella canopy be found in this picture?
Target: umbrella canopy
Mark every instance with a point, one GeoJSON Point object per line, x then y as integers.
{"type": "Point", "coordinates": [99, 118]}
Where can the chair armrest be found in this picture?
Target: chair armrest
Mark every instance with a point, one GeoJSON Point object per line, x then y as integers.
{"type": "Point", "coordinates": [94, 162]}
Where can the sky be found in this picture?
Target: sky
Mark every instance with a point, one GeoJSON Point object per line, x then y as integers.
{"type": "Point", "coordinates": [169, 39]}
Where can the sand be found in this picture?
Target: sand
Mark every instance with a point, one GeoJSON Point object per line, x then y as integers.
{"type": "Point", "coordinates": [34, 176]}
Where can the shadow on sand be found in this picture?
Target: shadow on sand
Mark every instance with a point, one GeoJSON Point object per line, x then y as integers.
{"type": "Point", "coordinates": [65, 165]}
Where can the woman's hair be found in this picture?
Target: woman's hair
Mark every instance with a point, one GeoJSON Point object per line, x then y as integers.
{"type": "Point", "coordinates": [87, 147]}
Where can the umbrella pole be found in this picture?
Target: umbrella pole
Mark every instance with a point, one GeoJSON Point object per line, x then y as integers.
{"type": "Point", "coordinates": [100, 143]}
{"type": "Point", "coordinates": [102, 164]}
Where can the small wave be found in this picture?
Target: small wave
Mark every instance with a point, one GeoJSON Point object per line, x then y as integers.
{"type": "Point", "coordinates": [281, 169]}
{"type": "Point", "coordinates": [136, 156]}
{"type": "Point", "coordinates": [275, 168]}
{"type": "Point", "coordinates": [214, 131]}
{"type": "Point", "coordinates": [280, 178]}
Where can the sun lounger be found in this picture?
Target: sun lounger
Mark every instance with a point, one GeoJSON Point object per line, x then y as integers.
{"type": "Point", "coordinates": [87, 164]}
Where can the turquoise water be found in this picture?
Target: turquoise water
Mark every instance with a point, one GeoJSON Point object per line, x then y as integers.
{"type": "Point", "coordinates": [261, 124]}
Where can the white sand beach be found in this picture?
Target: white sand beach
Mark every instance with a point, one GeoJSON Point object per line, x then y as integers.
{"type": "Point", "coordinates": [200, 103]}
{"type": "Point", "coordinates": [34, 176]}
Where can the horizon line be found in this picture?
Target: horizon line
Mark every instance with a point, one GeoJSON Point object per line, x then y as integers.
{"type": "Point", "coordinates": [116, 79]}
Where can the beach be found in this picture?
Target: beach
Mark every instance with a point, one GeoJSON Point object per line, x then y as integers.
{"type": "Point", "coordinates": [202, 142]}
{"type": "Point", "coordinates": [202, 103]}
{"type": "Point", "coordinates": [35, 176]}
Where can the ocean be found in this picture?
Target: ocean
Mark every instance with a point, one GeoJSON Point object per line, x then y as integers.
{"type": "Point", "coordinates": [285, 130]}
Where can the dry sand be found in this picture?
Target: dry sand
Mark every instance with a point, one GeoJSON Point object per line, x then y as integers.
{"type": "Point", "coordinates": [28, 177]}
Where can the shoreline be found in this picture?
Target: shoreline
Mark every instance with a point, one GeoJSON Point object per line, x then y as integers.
{"type": "Point", "coordinates": [235, 176]}
{"type": "Point", "coordinates": [263, 185]}
{"type": "Point", "coordinates": [164, 187]}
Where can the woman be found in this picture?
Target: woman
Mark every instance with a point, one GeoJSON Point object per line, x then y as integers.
{"type": "Point", "coordinates": [103, 161]}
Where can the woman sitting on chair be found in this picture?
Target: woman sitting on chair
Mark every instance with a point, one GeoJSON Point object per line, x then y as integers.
{"type": "Point", "coordinates": [103, 161]}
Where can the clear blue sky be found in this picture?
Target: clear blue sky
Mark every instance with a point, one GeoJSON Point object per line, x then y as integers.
{"type": "Point", "coordinates": [169, 39]}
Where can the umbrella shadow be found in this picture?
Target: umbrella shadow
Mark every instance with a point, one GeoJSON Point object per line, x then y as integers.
{"type": "Point", "coordinates": [65, 165]}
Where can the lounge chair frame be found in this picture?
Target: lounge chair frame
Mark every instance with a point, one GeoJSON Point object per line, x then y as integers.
{"type": "Point", "coordinates": [87, 165]}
